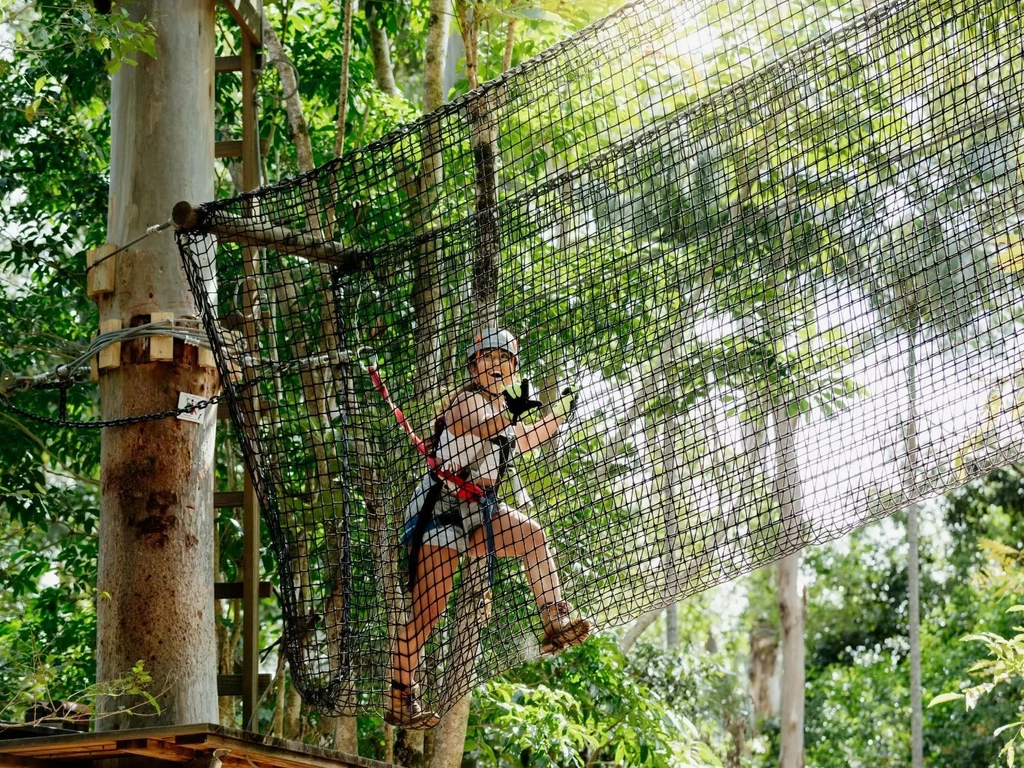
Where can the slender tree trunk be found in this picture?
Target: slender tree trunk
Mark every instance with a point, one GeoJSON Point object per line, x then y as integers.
{"type": "Point", "coordinates": [292, 714]}
{"type": "Point", "coordinates": [672, 627]}
{"type": "Point", "coordinates": [428, 265]}
{"type": "Point", "coordinates": [156, 516]}
{"type": "Point", "coordinates": [412, 748]}
{"type": "Point", "coordinates": [764, 648]}
{"type": "Point", "coordinates": [342, 732]}
{"type": "Point", "coordinates": [380, 47]}
{"type": "Point", "coordinates": [346, 56]}
{"type": "Point", "coordinates": [449, 742]}
{"type": "Point", "coordinates": [293, 104]}
{"type": "Point", "coordinates": [914, 608]}
{"type": "Point", "coordinates": [791, 615]}
{"type": "Point", "coordinates": [510, 40]}
{"type": "Point", "coordinates": [791, 607]}
{"type": "Point", "coordinates": [636, 629]}
{"type": "Point", "coordinates": [913, 576]}
{"type": "Point", "coordinates": [788, 492]}
{"type": "Point", "coordinates": [435, 53]}
{"type": "Point", "coordinates": [472, 609]}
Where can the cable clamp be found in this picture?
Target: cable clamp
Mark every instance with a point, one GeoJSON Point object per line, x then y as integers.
{"type": "Point", "coordinates": [7, 382]}
{"type": "Point", "coordinates": [367, 358]}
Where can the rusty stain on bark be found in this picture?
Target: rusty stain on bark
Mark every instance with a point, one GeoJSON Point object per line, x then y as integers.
{"type": "Point", "coordinates": [128, 480]}
{"type": "Point", "coordinates": [157, 521]}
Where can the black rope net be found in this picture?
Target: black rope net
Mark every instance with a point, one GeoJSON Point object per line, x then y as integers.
{"type": "Point", "coordinates": [776, 255]}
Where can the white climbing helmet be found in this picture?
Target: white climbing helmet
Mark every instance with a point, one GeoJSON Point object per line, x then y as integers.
{"type": "Point", "coordinates": [493, 338]}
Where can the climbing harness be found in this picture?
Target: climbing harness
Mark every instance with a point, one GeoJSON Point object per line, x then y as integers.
{"type": "Point", "coordinates": [466, 491]}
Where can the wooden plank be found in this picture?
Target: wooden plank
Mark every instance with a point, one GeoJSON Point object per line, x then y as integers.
{"type": "Point", "coordinates": [236, 148]}
{"type": "Point", "coordinates": [231, 685]}
{"type": "Point", "coordinates": [228, 499]}
{"type": "Point", "coordinates": [156, 748]}
{"type": "Point", "coordinates": [22, 762]}
{"type": "Point", "coordinates": [223, 410]}
{"type": "Point", "coordinates": [103, 741]}
{"type": "Point", "coordinates": [161, 348]}
{"type": "Point", "coordinates": [56, 750]}
{"type": "Point", "coordinates": [232, 590]}
{"type": "Point", "coordinates": [172, 742]}
{"type": "Point", "coordinates": [249, 15]}
{"type": "Point", "coordinates": [228, 64]}
{"type": "Point", "coordinates": [282, 753]}
{"type": "Point", "coordinates": [234, 63]}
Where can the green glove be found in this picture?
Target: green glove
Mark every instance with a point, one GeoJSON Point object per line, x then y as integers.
{"type": "Point", "coordinates": [518, 400]}
{"type": "Point", "coordinates": [565, 405]}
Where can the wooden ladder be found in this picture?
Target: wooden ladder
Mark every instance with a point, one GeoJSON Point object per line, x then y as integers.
{"type": "Point", "coordinates": [249, 684]}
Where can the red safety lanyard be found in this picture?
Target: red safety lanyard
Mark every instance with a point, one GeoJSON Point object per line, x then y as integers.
{"type": "Point", "coordinates": [465, 490]}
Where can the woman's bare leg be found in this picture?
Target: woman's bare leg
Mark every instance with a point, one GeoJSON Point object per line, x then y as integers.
{"type": "Point", "coordinates": [516, 535]}
{"type": "Point", "coordinates": [435, 577]}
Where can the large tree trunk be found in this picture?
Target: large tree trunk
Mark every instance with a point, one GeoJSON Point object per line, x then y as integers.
{"type": "Point", "coordinates": [156, 516]}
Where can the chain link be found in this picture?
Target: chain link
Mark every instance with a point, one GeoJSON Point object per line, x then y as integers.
{"type": "Point", "coordinates": [122, 422]}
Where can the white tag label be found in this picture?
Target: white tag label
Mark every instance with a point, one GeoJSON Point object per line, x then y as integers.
{"type": "Point", "coordinates": [184, 401]}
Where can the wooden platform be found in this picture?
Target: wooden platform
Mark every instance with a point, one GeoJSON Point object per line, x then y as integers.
{"type": "Point", "coordinates": [174, 744]}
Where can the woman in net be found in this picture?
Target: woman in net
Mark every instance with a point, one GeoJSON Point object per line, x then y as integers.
{"type": "Point", "coordinates": [455, 511]}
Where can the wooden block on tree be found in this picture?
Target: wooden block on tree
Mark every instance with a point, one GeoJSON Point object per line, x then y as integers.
{"type": "Point", "coordinates": [99, 279]}
{"type": "Point", "coordinates": [110, 355]}
{"type": "Point", "coordinates": [161, 348]}
{"type": "Point", "coordinates": [206, 358]}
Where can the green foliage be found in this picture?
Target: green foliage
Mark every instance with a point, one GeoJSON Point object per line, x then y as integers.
{"type": "Point", "coordinates": [587, 706]}
{"type": "Point", "coordinates": [76, 29]}
{"type": "Point", "coordinates": [1003, 577]}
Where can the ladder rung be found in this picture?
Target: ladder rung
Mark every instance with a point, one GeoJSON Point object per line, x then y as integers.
{"type": "Point", "coordinates": [234, 63]}
{"type": "Point", "coordinates": [231, 685]}
{"type": "Point", "coordinates": [232, 590]}
{"type": "Point", "coordinates": [226, 499]}
{"type": "Point", "coordinates": [233, 148]}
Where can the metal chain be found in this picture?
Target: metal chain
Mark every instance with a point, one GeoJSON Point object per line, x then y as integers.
{"type": "Point", "coordinates": [122, 422]}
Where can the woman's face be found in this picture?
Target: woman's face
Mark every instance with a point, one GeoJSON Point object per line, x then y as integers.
{"type": "Point", "coordinates": [493, 370]}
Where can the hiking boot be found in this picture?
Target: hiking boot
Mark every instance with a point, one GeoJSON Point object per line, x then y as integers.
{"type": "Point", "coordinates": [403, 708]}
{"type": "Point", "coordinates": [560, 629]}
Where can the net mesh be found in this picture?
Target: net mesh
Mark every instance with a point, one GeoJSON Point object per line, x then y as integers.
{"type": "Point", "coordinates": [776, 253]}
